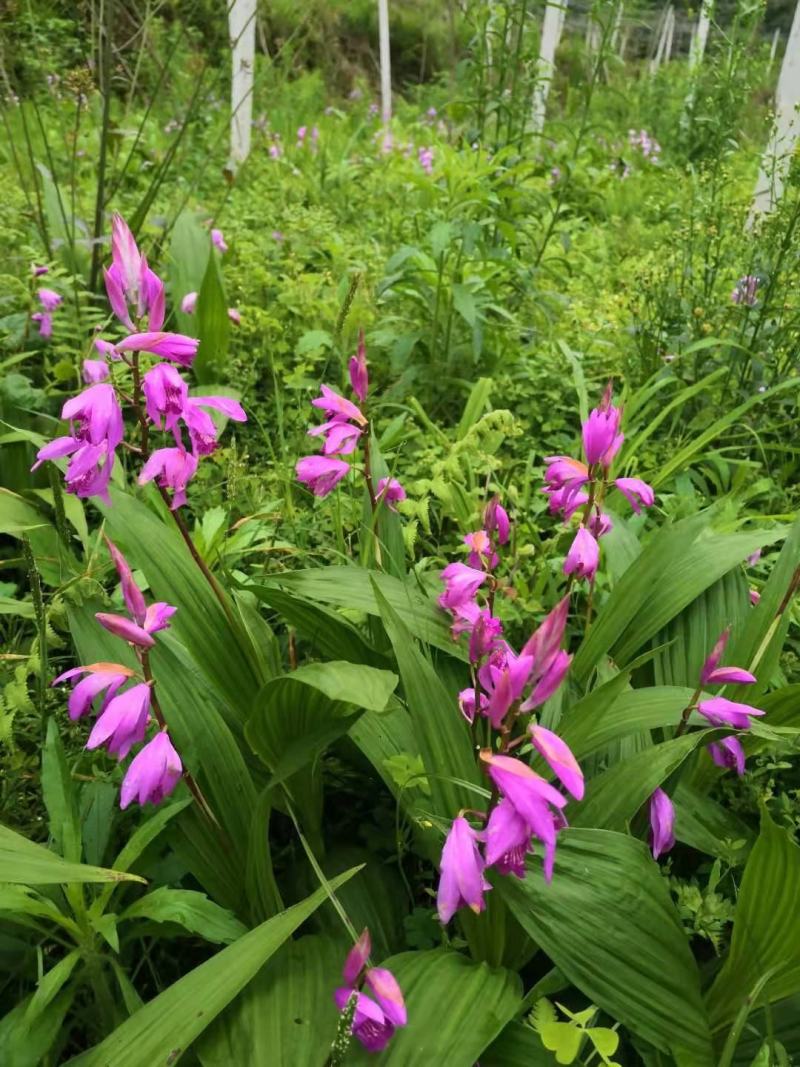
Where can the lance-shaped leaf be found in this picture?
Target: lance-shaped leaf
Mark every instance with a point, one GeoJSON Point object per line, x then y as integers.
{"type": "Point", "coordinates": [24, 863]}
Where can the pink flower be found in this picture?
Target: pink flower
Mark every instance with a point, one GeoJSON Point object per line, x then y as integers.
{"type": "Point", "coordinates": [234, 316]}
{"type": "Point", "coordinates": [126, 628]}
{"type": "Point", "coordinates": [599, 525]}
{"type": "Point", "coordinates": [218, 240]}
{"type": "Point", "coordinates": [754, 596]}
{"type": "Point", "coordinates": [174, 346]}
{"type": "Point", "coordinates": [202, 431]}
{"type": "Point", "coordinates": [357, 958]}
{"type": "Point", "coordinates": [106, 349]}
{"type": "Point", "coordinates": [728, 753]}
{"type": "Point", "coordinates": [754, 558]}
{"type": "Point", "coordinates": [746, 290]}
{"type": "Point", "coordinates": [722, 712]}
{"type": "Point", "coordinates": [49, 299]}
{"type": "Point", "coordinates": [189, 304]}
{"type": "Point", "coordinates": [153, 774]}
{"type": "Point", "coordinates": [45, 321]}
{"type": "Point", "coordinates": [133, 289]}
{"type": "Point", "coordinates": [496, 521]}
{"type": "Point", "coordinates": [482, 554]}
{"type": "Point", "coordinates": [560, 759]}
{"type": "Point", "coordinates": [131, 593]}
{"type": "Point", "coordinates": [390, 490]}
{"type": "Point", "coordinates": [337, 406]}
{"type": "Point", "coordinates": [173, 468]}
{"type": "Point", "coordinates": [38, 271]}
{"type": "Point", "coordinates": [711, 674]}
{"type": "Point", "coordinates": [601, 437]}
{"type": "Point", "coordinates": [550, 663]}
{"type": "Point", "coordinates": [504, 684]}
{"type": "Point", "coordinates": [359, 378]}
{"type": "Point", "coordinates": [564, 472]}
{"type": "Point", "coordinates": [461, 880]}
{"type": "Point", "coordinates": [99, 677]}
{"type": "Point", "coordinates": [123, 721]}
{"type": "Point", "coordinates": [466, 703]}
{"type": "Point", "coordinates": [583, 556]}
{"type": "Point", "coordinates": [636, 492]}
{"type": "Point", "coordinates": [662, 823]}
{"type": "Point", "coordinates": [321, 474]}
{"type": "Point", "coordinates": [341, 437]}
{"type": "Point", "coordinates": [88, 473]}
{"type": "Point", "coordinates": [532, 798]}
{"type": "Point", "coordinates": [96, 416]}
{"type": "Point", "coordinates": [485, 636]}
{"type": "Point", "coordinates": [508, 839]}
{"type": "Point", "coordinates": [94, 371]}
{"type": "Point", "coordinates": [461, 585]}
{"type": "Point", "coordinates": [165, 393]}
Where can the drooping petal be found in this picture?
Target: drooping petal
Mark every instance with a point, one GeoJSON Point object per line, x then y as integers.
{"type": "Point", "coordinates": [357, 958]}
{"type": "Point", "coordinates": [153, 773]}
{"type": "Point", "coordinates": [728, 753]}
{"type": "Point", "coordinates": [662, 823]}
{"type": "Point", "coordinates": [461, 881]}
{"type": "Point", "coordinates": [560, 759]}
{"type": "Point", "coordinates": [125, 628]}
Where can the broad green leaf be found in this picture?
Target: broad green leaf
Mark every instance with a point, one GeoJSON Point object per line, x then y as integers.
{"type": "Point", "coordinates": [608, 923]}
{"type": "Point", "coordinates": [192, 910]}
{"type": "Point", "coordinates": [766, 927]}
{"type": "Point", "coordinates": [189, 252]}
{"type": "Point", "coordinates": [220, 650]}
{"type": "Point", "coordinates": [364, 687]}
{"type": "Point", "coordinates": [17, 515]}
{"type": "Point", "coordinates": [262, 892]}
{"type": "Point", "coordinates": [24, 863]}
{"type": "Point", "coordinates": [475, 405]}
{"type": "Point", "coordinates": [59, 797]}
{"type": "Point", "coordinates": [25, 1043]}
{"type": "Point", "coordinates": [706, 825]}
{"type": "Point", "coordinates": [351, 587]}
{"type": "Point", "coordinates": [51, 984]}
{"type": "Point", "coordinates": [614, 797]}
{"type": "Point", "coordinates": [592, 724]}
{"type": "Point", "coordinates": [286, 1015]}
{"type": "Point", "coordinates": [456, 1008]}
{"type": "Point", "coordinates": [163, 1030]}
{"type": "Point", "coordinates": [441, 731]}
{"type": "Point", "coordinates": [20, 900]}
{"type": "Point", "coordinates": [213, 326]}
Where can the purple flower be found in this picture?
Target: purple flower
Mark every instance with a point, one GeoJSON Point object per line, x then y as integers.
{"type": "Point", "coordinates": [485, 636]}
{"type": "Point", "coordinates": [173, 468]}
{"type": "Point", "coordinates": [189, 304]}
{"type": "Point", "coordinates": [359, 377]}
{"type": "Point", "coordinates": [532, 798]}
{"type": "Point", "coordinates": [38, 271]}
{"type": "Point", "coordinates": [202, 431]}
{"type": "Point", "coordinates": [601, 436]}
{"type": "Point", "coordinates": [321, 474]}
{"type": "Point", "coordinates": [461, 585]}
{"type": "Point", "coordinates": [466, 703]}
{"type": "Point", "coordinates": [558, 755]}
{"type": "Point", "coordinates": [153, 774]}
{"type": "Point", "coordinates": [341, 437]}
{"type": "Point", "coordinates": [504, 684]}
{"type": "Point", "coordinates": [106, 349]}
{"type": "Point", "coordinates": [88, 473]}
{"type": "Point", "coordinates": [95, 416]}
{"type": "Point", "coordinates": [508, 839]}
{"type": "Point", "coordinates": [49, 299]}
{"type": "Point", "coordinates": [722, 712]}
{"type": "Point", "coordinates": [123, 721]}
{"type": "Point", "coordinates": [425, 157]}
{"type": "Point", "coordinates": [235, 316]}
{"type": "Point", "coordinates": [482, 553]}
{"type": "Point", "coordinates": [357, 958]}
{"type": "Point", "coordinates": [662, 823]}
{"type": "Point", "coordinates": [45, 321]}
{"type": "Point", "coordinates": [746, 290]}
{"type": "Point", "coordinates": [754, 558]}
{"type": "Point", "coordinates": [99, 677]}
{"type": "Point", "coordinates": [636, 492]}
{"type": "Point", "coordinates": [131, 593]}
{"type": "Point", "coordinates": [95, 371]}
{"type": "Point", "coordinates": [712, 674]}
{"type": "Point", "coordinates": [133, 289]}
{"type": "Point", "coordinates": [755, 596]}
{"type": "Point", "coordinates": [218, 240]}
{"type": "Point", "coordinates": [728, 753]}
{"type": "Point", "coordinates": [336, 406]}
{"type": "Point", "coordinates": [583, 556]}
{"type": "Point", "coordinates": [496, 521]}
{"type": "Point", "coordinates": [174, 346]}
{"type": "Point", "coordinates": [126, 628]}
{"type": "Point", "coordinates": [165, 393]}
{"type": "Point", "coordinates": [550, 663]}
{"type": "Point", "coordinates": [599, 525]}
{"type": "Point", "coordinates": [461, 881]}
{"type": "Point", "coordinates": [390, 490]}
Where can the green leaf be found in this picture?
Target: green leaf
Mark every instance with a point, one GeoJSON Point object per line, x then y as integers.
{"type": "Point", "coordinates": [213, 326]}
{"type": "Point", "coordinates": [456, 1008]}
{"type": "Point", "coordinates": [595, 722]}
{"type": "Point", "coordinates": [464, 303]}
{"type": "Point", "coordinates": [59, 797]}
{"type": "Point", "coordinates": [194, 911]}
{"type": "Point", "coordinates": [766, 927]}
{"type": "Point", "coordinates": [20, 900]}
{"type": "Point", "coordinates": [562, 1039]}
{"type": "Point", "coordinates": [313, 341]}
{"type": "Point", "coordinates": [351, 587]}
{"type": "Point", "coordinates": [24, 1043]}
{"type": "Point", "coordinates": [441, 732]}
{"type": "Point", "coordinates": [286, 1015]}
{"type": "Point", "coordinates": [17, 515]}
{"type": "Point", "coordinates": [189, 252]}
{"type": "Point", "coordinates": [608, 923]}
{"type": "Point", "coordinates": [50, 985]}
{"type": "Point", "coordinates": [24, 863]}
{"type": "Point", "coordinates": [475, 406]}
{"type": "Point", "coordinates": [166, 1026]}
{"type": "Point", "coordinates": [517, 1046]}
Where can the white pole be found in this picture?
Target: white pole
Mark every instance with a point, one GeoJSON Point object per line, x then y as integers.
{"type": "Point", "coordinates": [700, 36]}
{"type": "Point", "coordinates": [775, 160]}
{"type": "Point", "coordinates": [242, 30]}
{"type": "Point", "coordinates": [386, 61]}
{"type": "Point", "coordinates": [661, 29]}
{"type": "Point", "coordinates": [670, 34]}
{"type": "Point", "coordinates": [553, 24]}
{"type": "Point", "coordinates": [615, 33]}
{"type": "Point", "coordinates": [774, 49]}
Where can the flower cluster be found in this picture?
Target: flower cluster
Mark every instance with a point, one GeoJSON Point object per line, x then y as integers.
{"type": "Point", "coordinates": [376, 1017]}
{"type": "Point", "coordinates": [718, 711]}
{"type": "Point", "coordinates": [49, 300]}
{"type": "Point", "coordinates": [136, 295]}
{"type": "Point", "coordinates": [125, 713]}
{"type": "Point", "coordinates": [644, 143]}
{"type": "Point", "coordinates": [572, 485]}
{"type": "Point", "coordinates": [506, 684]}
{"type": "Point", "coordinates": [746, 290]}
